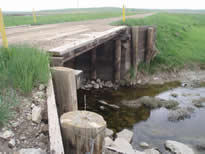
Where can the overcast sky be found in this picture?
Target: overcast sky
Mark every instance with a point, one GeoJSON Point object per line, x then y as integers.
{"type": "Point", "coordinates": [27, 5]}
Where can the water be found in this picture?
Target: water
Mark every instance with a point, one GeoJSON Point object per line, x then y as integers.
{"type": "Point", "coordinates": [151, 126]}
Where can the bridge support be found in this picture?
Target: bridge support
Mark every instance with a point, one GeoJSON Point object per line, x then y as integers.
{"type": "Point", "coordinates": [65, 88]}
{"type": "Point", "coordinates": [93, 64]}
{"type": "Point", "coordinates": [117, 60]}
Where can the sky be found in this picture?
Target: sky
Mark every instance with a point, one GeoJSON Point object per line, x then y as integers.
{"type": "Point", "coordinates": [28, 5]}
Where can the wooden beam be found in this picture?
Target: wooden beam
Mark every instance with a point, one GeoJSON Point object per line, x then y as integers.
{"type": "Point", "coordinates": [81, 46]}
{"type": "Point", "coordinates": [117, 60]}
{"type": "Point", "coordinates": [150, 44]}
{"type": "Point", "coordinates": [55, 138]}
{"type": "Point", "coordinates": [65, 88]}
{"type": "Point", "coordinates": [93, 64]}
{"type": "Point", "coordinates": [57, 61]}
{"type": "Point", "coordinates": [135, 47]}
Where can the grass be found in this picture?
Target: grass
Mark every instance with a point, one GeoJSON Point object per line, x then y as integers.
{"type": "Point", "coordinates": [64, 16]}
{"type": "Point", "coordinates": [7, 104]}
{"type": "Point", "coordinates": [23, 67]}
{"type": "Point", "coordinates": [180, 39]}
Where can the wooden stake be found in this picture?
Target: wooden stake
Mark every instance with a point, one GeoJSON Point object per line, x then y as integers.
{"type": "Point", "coordinates": [149, 45]}
{"type": "Point", "coordinates": [93, 64]}
{"type": "Point", "coordinates": [65, 88]}
{"type": "Point", "coordinates": [117, 60]}
{"type": "Point", "coordinates": [83, 132]}
{"type": "Point", "coordinates": [135, 47]}
{"type": "Point", "coordinates": [2, 30]}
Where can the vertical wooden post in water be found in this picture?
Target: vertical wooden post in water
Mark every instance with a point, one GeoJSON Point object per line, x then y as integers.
{"type": "Point", "coordinates": [65, 88]}
{"type": "Point", "coordinates": [83, 132]}
{"type": "Point", "coordinates": [135, 47]}
{"type": "Point", "coordinates": [149, 44]}
{"type": "Point", "coordinates": [117, 60]}
{"type": "Point", "coordinates": [93, 64]}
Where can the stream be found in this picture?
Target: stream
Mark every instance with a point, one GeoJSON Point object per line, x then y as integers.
{"type": "Point", "coordinates": [151, 125]}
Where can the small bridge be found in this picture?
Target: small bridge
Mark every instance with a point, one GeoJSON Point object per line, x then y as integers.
{"type": "Point", "coordinates": [91, 46]}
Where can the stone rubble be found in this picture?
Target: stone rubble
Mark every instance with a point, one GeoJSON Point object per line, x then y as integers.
{"type": "Point", "coordinates": [27, 132]}
{"type": "Point", "coordinates": [144, 145]}
{"type": "Point", "coordinates": [109, 132]}
{"type": "Point", "coordinates": [125, 134]}
{"type": "Point", "coordinates": [178, 148]}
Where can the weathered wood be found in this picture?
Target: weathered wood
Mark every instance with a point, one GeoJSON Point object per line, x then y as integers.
{"type": "Point", "coordinates": [57, 61]}
{"type": "Point", "coordinates": [55, 138]}
{"type": "Point", "coordinates": [83, 132]}
{"type": "Point", "coordinates": [81, 46]}
{"type": "Point", "coordinates": [150, 45]}
{"type": "Point", "coordinates": [126, 56]}
{"type": "Point", "coordinates": [78, 77]}
{"type": "Point", "coordinates": [117, 60]}
{"type": "Point", "coordinates": [65, 88]}
{"type": "Point", "coordinates": [93, 64]}
{"type": "Point", "coordinates": [135, 44]}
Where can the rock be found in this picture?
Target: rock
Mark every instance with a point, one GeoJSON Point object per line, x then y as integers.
{"type": "Point", "coordinates": [144, 145]}
{"type": "Point", "coordinates": [108, 84]}
{"type": "Point", "coordinates": [36, 114]}
{"type": "Point", "coordinates": [184, 84]}
{"type": "Point", "coordinates": [178, 148]}
{"type": "Point", "coordinates": [93, 82]}
{"type": "Point", "coordinates": [180, 114]}
{"type": "Point", "coordinates": [88, 86]}
{"type": "Point", "coordinates": [96, 86]}
{"type": "Point", "coordinates": [174, 95]}
{"type": "Point", "coordinates": [108, 132]}
{"type": "Point", "coordinates": [98, 81]}
{"type": "Point", "coordinates": [38, 94]}
{"type": "Point", "coordinates": [12, 143]}
{"type": "Point", "coordinates": [125, 134]}
{"type": "Point", "coordinates": [121, 146]}
{"type": "Point", "coordinates": [102, 107]}
{"type": "Point", "coordinates": [199, 103]}
{"type": "Point", "coordinates": [200, 147]}
{"type": "Point", "coordinates": [151, 151]}
{"type": "Point", "coordinates": [6, 134]}
{"type": "Point", "coordinates": [41, 87]}
{"type": "Point", "coordinates": [108, 142]}
{"type": "Point", "coordinates": [31, 151]}
{"type": "Point", "coordinates": [153, 102]}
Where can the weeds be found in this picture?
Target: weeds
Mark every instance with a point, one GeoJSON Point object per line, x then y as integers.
{"type": "Point", "coordinates": [8, 102]}
{"type": "Point", "coordinates": [23, 67]}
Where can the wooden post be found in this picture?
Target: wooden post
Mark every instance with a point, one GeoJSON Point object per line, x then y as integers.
{"type": "Point", "coordinates": [149, 44]}
{"type": "Point", "coordinates": [117, 60]}
{"type": "Point", "coordinates": [83, 132]}
{"type": "Point", "coordinates": [135, 47]}
{"type": "Point", "coordinates": [126, 56]}
{"type": "Point", "coordinates": [93, 64]}
{"type": "Point", "coordinates": [65, 88]}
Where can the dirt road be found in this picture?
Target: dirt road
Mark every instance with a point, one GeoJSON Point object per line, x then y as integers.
{"type": "Point", "coordinates": [55, 35]}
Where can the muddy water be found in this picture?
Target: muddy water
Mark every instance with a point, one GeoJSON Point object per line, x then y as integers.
{"type": "Point", "coordinates": [151, 126]}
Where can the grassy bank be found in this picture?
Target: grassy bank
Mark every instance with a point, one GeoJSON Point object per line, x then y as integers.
{"type": "Point", "coordinates": [64, 16]}
{"type": "Point", "coordinates": [180, 39]}
{"type": "Point", "coordinates": [21, 68]}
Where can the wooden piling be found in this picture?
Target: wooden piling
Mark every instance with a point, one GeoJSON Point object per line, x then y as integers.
{"type": "Point", "coordinates": [83, 132]}
{"type": "Point", "coordinates": [150, 44]}
{"type": "Point", "coordinates": [65, 89]}
{"type": "Point", "coordinates": [117, 60]}
{"type": "Point", "coordinates": [135, 47]}
{"type": "Point", "coordinates": [93, 64]}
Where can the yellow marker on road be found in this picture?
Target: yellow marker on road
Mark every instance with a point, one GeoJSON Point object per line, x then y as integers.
{"type": "Point", "coordinates": [123, 14]}
{"type": "Point", "coordinates": [34, 16]}
{"type": "Point", "coordinates": [2, 30]}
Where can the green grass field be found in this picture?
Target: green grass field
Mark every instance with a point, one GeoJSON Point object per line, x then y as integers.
{"type": "Point", "coordinates": [45, 17]}
{"type": "Point", "coordinates": [180, 39]}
